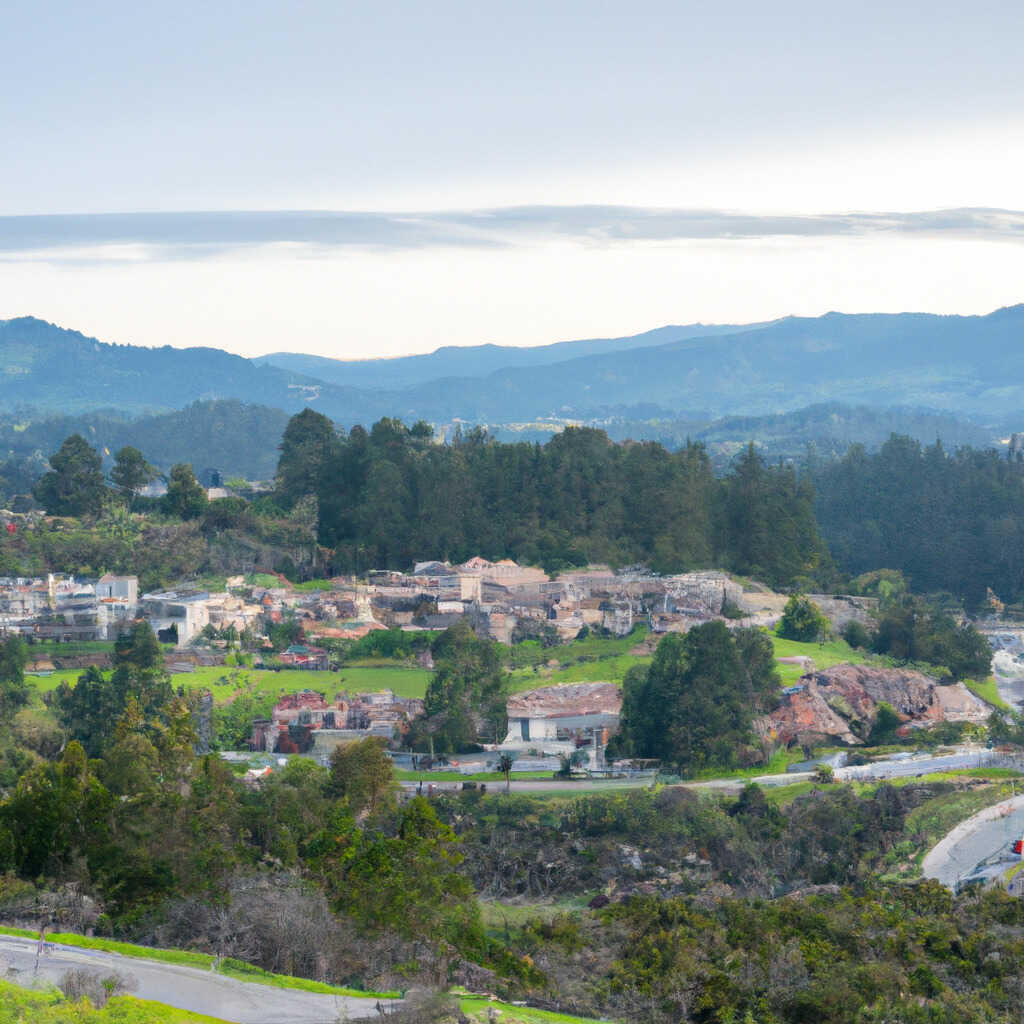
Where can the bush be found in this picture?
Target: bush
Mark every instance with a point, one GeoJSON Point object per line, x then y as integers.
{"type": "Point", "coordinates": [856, 634]}
{"type": "Point", "coordinates": [80, 982]}
{"type": "Point", "coordinates": [802, 620]}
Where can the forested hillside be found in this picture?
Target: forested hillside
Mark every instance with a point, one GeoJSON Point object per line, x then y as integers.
{"type": "Point", "coordinates": [950, 521]}
{"type": "Point", "coordinates": [959, 365]}
{"type": "Point", "coordinates": [389, 496]}
{"type": "Point", "coordinates": [230, 436]}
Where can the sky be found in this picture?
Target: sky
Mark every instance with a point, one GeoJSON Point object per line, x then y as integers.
{"type": "Point", "coordinates": [371, 179]}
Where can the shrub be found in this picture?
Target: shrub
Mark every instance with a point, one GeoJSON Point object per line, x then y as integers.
{"type": "Point", "coordinates": [856, 634]}
{"type": "Point", "coordinates": [80, 982]}
{"type": "Point", "coordinates": [802, 620]}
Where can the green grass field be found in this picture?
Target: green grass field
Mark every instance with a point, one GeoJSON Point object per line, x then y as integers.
{"type": "Point", "coordinates": [833, 652]}
{"type": "Point", "coordinates": [406, 776]}
{"type": "Point", "coordinates": [224, 682]}
{"type": "Point", "coordinates": [988, 692]}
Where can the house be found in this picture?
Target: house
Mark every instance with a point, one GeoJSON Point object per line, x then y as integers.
{"type": "Point", "coordinates": [125, 588]}
{"type": "Point", "coordinates": [178, 615]}
{"type": "Point", "coordinates": [313, 659]}
{"type": "Point", "coordinates": [561, 719]}
{"type": "Point", "coordinates": [305, 723]}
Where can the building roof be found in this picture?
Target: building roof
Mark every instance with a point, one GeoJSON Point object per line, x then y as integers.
{"type": "Point", "coordinates": [567, 701]}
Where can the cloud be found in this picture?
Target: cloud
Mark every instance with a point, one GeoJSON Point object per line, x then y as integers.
{"type": "Point", "coordinates": [199, 235]}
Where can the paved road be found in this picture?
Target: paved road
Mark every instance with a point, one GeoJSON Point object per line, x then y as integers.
{"type": "Point", "coordinates": [966, 757]}
{"type": "Point", "coordinates": [987, 835]}
{"type": "Point", "coordinates": [187, 988]}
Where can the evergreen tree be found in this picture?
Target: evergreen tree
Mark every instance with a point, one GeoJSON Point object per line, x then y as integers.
{"type": "Point", "coordinates": [74, 485]}
{"type": "Point", "coordinates": [186, 497]}
{"type": "Point", "coordinates": [465, 700]}
{"type": "Point", "coordinates": [308, 446]}
{"type": "Point", "coordinates": [131, 472]}
{"type": "Point", "coordinates": [694, 705]}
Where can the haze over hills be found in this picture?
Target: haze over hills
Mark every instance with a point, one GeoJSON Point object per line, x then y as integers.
{"type": "Point", "coordinates": [646, 385]}
{"type": "Point", "coordinates": [479, 360]}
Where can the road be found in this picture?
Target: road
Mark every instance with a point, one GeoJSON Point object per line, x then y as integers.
{"type": "Point", "coordinates": [187, 988]}
{"type": "Point", "coordinates": [983, 837]}
{"type": "Point", "coordinates": [964, 757]}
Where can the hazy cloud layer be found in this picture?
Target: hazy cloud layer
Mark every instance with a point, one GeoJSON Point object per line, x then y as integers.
{"type": "Point", "coordinates": [198, 235]}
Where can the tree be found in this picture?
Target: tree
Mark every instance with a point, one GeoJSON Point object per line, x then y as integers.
{"type": "Point", "coordinates": [131, 472]}
{"type": "Point", "coordinates": [694, 705]}
{"type": "Point", "coordinates": [309, 443]}
{"type": "Point", "coordinates": [362, 773]}
{"type": "Point", "coordinates": [410, 883]}
{"type": "Point", "coordinates": [505, 767]}
{"type": "Point", "coordinates": [139, 648]}
{"type": "Point", "coordinates": [74, 485]}
{"type": "Point", "coordinates": [186, 497]}
{"type": "Point", "coordinates": [465, 699]}
{"type": "Point", "coordinates": [14, 691]}
{"type": "Point", "coordinates": [93, 709]}
{"type": "Point", "coordinates": [802, 620]}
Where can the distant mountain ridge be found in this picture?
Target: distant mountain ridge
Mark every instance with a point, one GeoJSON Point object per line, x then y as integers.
{"type": "Point", "coordinates": [971, 365]}
{"type": "Point", "coordinates": [479, 360]}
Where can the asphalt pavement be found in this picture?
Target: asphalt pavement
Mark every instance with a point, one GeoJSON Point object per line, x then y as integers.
{"type": "Point", "coordinates": [984, 839]}
{"type": "Point", "coordinates": [186, 988]}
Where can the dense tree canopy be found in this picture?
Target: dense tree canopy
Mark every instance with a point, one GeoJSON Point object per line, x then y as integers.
{"type": "Point", "coordinates": [131, 472]}
{"type": "Point", "coordinates": [948, 521]}
{"type": "Point", "coordinates": [693, 706]}
{"type": "Point", "coordinates": [802, 620]}
{"type": "Point", "coordinates": [391, 496]}
{"type": "Point", "coordinates": [465, 700]}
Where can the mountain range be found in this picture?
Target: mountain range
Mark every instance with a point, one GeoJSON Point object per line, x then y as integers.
{"type": "Point", "coordinates": [971, 365]}
{"type": "Point", "coordinates": [828, 380]}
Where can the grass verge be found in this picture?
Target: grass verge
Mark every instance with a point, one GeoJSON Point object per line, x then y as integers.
{"type": "Point", "coordinates": [204, 961]}
{"type": "Point", "coordinates": [988, 692]}
{"type": "Point", "coordinates": [50, 1007]}
{"type": "Point", "coordinates": [477, 1010]}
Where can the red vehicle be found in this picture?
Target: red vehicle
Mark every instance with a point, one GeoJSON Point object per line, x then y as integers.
{"type": "Point", "coordinates": [1018, 847]}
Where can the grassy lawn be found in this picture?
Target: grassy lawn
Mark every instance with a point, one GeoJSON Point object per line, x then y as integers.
{"type": "Point", "coordinates": [988, 692]}
{"type": "Point", "coordinates": [477, 1011]}
{"type": "Point", "coordinates": [224, 682]}
{"type": "Point", "coordinates": [776, 765]}
{"type": "Point", "coordinates": [605, 670]}
{"type": "Point", "coordinates": [594, 659]}
{"type": "Point", "coordinates": [593, 646]}
{"type": "Point", "coordinates": [834, 652]}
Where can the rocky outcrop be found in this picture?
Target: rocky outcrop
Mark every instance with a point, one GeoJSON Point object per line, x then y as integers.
{"type": "Point", "coordinates": [840, 704]}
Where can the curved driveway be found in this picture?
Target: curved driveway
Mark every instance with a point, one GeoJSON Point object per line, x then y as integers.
{"type": "Point", "coordinates": [987, 834]}
{"type": "Point", "coordinates": [187, 988]}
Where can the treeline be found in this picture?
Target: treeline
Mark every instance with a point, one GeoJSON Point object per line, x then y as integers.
{"type": "Point", "coordinates": [391, 495]}
{"type": "Point", "coordinates": [949, 521]}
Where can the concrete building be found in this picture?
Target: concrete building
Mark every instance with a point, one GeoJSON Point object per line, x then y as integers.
{"type": "Point", "coordinates": [176, 611]}
{"type": "Point", "coordinates": [562, 719]}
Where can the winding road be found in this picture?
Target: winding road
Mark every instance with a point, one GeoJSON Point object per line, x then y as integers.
{"type": "Point", "coordinates": [186, 988]}
{"type": "Point", "coordinates": [986, 836]}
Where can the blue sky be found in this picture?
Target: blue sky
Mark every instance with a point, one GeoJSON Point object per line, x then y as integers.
{"type": "Point", "coordinates": [723, 162]}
